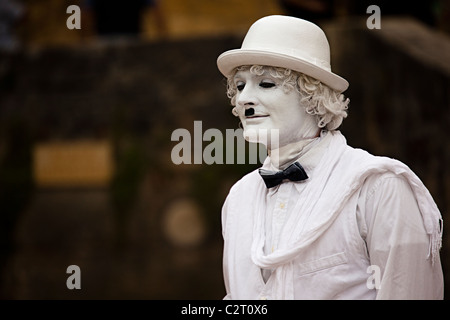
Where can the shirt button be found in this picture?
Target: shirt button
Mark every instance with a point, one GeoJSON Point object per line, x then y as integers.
{"type": "Point", "coordinates": [263, 298]}
{"type": "Point", "coordinates": [282, 205]}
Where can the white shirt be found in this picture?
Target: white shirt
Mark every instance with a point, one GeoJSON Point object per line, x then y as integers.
{"type": "Point", "coordinates": [381, 226]}
{"type": "Point", "coordinates": [281, 199]}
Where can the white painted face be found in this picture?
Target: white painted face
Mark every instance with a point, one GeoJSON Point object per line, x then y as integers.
{"type": "Point", "coordinates": [275, 110]}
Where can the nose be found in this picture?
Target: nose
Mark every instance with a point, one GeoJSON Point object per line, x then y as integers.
{"type": "Point", "coordinates": [246, 98]}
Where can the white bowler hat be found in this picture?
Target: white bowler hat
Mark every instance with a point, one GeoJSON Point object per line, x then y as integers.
{"type": "Point", "coordinates": [287, 42]}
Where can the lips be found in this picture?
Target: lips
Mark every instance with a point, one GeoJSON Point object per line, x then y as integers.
{"type": "Point", "coordinates": [257, 116]}
{"type": "Point", "coordinates": [250, 114]}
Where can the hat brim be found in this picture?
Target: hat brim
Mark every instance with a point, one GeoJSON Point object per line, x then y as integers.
{"type": "Point", "coordinates": [231, 59]}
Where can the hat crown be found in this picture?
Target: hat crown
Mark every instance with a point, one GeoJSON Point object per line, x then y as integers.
{"type": "Point", "coordinates": [289, 36]}
{"type": "Point", "coordinates": [286, 42]}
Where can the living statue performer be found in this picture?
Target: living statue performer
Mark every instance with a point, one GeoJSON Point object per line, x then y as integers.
{"type": "Point", "coordinates": [319, 219]}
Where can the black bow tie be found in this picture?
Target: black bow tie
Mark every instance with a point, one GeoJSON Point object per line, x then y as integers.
{"type": "Point", "coordinates": [294, 172]}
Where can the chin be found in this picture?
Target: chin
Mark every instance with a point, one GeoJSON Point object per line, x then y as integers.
{"type": "Point", "coordinates": [261, 134]}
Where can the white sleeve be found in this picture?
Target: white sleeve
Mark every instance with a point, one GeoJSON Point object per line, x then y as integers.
{"type": "Point", "coordinates": [224, 258]}
{"type": "Point", "coordinates": [397, 242]}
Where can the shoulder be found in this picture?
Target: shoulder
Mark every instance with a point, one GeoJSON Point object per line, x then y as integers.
{"type": "Point", "coordinates": [241, 196]}
{"type": "Point", "coordinates": [247, 186]}
{"type": "Point", "coordinates": [371, 173]}
{"type": "Point", "coordinates": [365, 165]}
{"type": "Point", "coordinates": [246, 190]}
{"type": "Point", "coordinates": [247, 182]}
{"type": "Point", "coordinates": [387, 183]}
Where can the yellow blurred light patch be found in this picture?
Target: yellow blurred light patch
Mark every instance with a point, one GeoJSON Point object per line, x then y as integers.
{"type": "Point", "coordinates": [73, 164]}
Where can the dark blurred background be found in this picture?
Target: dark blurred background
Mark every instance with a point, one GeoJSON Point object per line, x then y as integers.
{"type": "Point", "coordinates": [86, 117]}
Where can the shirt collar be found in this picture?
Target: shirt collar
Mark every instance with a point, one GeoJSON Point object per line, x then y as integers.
{"type": "Point", "coordinates": [309, 156]}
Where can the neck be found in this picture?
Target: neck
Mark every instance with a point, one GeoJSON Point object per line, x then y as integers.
{"type": "Point", "coordinates": [284, 156]}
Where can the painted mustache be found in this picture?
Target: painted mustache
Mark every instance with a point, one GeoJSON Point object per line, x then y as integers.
{"type": "Point", "coordinates": [249, 112]}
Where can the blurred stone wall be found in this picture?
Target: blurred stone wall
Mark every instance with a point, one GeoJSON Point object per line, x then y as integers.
{"type": "Point", "coordinates": [126, 236]}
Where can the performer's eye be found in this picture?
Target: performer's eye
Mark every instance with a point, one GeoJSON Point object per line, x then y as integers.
{"type": "Point", "coordinates": [266, 84]}
{"type": "Point", "coordinates": [240, 86]}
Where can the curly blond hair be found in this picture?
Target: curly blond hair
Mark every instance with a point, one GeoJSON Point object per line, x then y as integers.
{"type": "Point", "coordinates": [329, 106]}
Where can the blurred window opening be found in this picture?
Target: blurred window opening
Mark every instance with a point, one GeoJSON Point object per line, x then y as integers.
{"type": "Point", "coordinates": [81, 163]}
